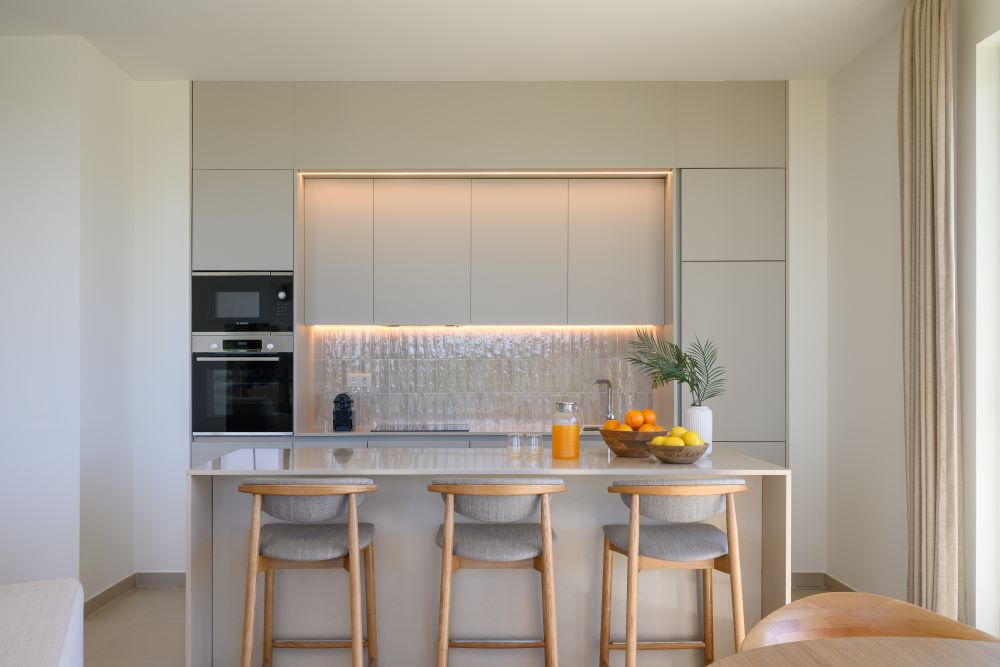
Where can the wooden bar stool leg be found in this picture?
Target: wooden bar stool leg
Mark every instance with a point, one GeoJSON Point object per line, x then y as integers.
{"type": "Point", "coordinates": [370, 604]}
{"type": "Point", "coordinates": [444, 604]}
{"type": "Point", "coordinates": [739, 630]}
{"type": "Point", "coordinates": [608, 573]}
{"type": "Point", "coordinates": [632, 592]}
{"type": "Point", "coordinates": [357, 643]}
{"type": "Point", "coordinates": [250, 602]}
{"type": "Point", "coordinates": [548, 590]}
{"type": "Point", "coordinates": [268, 617]}
{"type": "Point", "coordinates": [706, 604]}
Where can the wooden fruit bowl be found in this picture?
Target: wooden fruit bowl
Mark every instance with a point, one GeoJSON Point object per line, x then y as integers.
{"type": "Point", "coordinates": [629, 444]}
{"type": "Point", "coordinates": [678, 453]}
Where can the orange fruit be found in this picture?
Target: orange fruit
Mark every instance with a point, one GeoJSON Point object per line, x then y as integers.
{"type": "Point", "coordinates": [611, 425]}
{"type": "Point", "coordinates": [648, 416]}
{"type": "Point", "coordinates": [634, 418]}
{"type": "Point", "coordinates": [624, 427]}
{"type": "Point", "coordinates": [649, 427]}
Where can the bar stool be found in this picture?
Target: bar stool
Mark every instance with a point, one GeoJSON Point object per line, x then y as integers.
{"type": "Point", "coordinates": [500, 544]}
{"type": "Point", "coordinates": [683, 543]}
{"type": "Point", "coordinates": [307, 544]}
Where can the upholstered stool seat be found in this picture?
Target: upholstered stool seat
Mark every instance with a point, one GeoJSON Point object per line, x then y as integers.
{"type": "Point", "coordinates": [683, 542]}
{"type": "Point", "coordinates": [498, 543]}
{"type": "Point", "coordinates": [677, 542]}
{"type": "Point", "coordinates": [308, 543]}
{"type": "Point", "coordinates": [495, 543]}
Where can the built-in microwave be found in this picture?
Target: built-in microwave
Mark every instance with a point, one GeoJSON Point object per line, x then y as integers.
{"type": "Point", "coordinates": [241, 385]}
{"type": "Point", "coordinates": [228, 302]}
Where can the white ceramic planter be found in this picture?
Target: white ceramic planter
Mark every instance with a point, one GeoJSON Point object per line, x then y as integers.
{"type": "Point", "coordinates": [699, 418]}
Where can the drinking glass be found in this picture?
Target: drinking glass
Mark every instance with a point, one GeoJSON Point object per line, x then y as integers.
{"type": "Point", "coordinates": [515, 445]}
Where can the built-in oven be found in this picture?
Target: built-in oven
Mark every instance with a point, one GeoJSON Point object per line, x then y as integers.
{"type": "Point", "coordinates": [226, 302]}
{"type": "Point", "coordinates": [241, 385]}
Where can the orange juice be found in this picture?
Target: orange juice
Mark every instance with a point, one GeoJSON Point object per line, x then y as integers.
{"type": "Point", "coordinates": [565, 441]}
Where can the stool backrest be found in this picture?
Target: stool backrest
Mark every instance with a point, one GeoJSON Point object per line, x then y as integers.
{"type": "Point", "coordinates": [496, 499]}
{"type": "Point", "coordinates": [307, 499]}
{"type": "Point", "coordinates": [675, 501]}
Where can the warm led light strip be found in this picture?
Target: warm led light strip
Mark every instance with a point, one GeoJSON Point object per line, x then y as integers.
{"type": "Point", "coordinates": [654, 173]}
{"type": "Point", "coordinates": [479, 327]}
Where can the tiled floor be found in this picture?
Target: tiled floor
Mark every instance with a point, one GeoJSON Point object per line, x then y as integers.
{"type": "Point", "coordinates": [145, 628]}
{"type": "Point", "coordinates": [799, 592]}
{"type": "Point", "coordinates": [142, 628]}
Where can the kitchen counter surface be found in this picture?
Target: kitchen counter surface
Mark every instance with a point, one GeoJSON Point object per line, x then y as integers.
{"type": "Point", "coordinates": [418, 461]}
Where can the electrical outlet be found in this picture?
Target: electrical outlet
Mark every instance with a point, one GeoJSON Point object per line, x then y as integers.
{"type": "Point", "coordinates": [359, 381]}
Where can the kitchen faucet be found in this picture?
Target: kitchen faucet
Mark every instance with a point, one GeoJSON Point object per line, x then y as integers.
{"type": "Point", "coordinates": [611, 414]}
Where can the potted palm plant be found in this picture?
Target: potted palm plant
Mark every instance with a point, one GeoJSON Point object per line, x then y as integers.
{"type": "Point", "coordinates": [697, 367]}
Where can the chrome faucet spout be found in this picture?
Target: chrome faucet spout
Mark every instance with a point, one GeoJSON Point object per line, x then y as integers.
{"type": "Point", "coordinates": [606, 382]}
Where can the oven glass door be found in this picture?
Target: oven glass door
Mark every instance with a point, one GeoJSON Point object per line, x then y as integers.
{"type": "Point", "coordinates": [241, 393]}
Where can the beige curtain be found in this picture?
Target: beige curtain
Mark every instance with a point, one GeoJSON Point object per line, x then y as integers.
{"type": "Point", "coordinates": [930, 342]}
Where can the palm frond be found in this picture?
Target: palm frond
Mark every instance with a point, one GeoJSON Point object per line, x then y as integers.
{"type": "Point", "coordinates": [711, 380]}
{"type": "Point", "coordinates": [664, 362]}
{"type": "Point", "coordinates": [659, 359]}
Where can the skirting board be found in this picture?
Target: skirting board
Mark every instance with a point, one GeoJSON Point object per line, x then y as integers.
{"type": "Point", "coordinates": [819, 580]}
{"type": "Point", "coordinates": [136, 580]}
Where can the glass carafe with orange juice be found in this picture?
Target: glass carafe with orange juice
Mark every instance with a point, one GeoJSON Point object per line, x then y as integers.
{"type": "Point", "coordinates": [565, 432]}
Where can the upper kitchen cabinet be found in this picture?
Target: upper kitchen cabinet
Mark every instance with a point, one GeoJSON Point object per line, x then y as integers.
{"type": "Point", "coordinates": [732, 214]}
{"type": "Point", "coordinates": [519, 251]}
{"type": "Point", "coordinates": [731, 124]}
{"type": "Point", "coordinates": [616, 251]}
{"type": "Point", "coordinates": [741, 307]}
{"type": "Point", "coordinates": [243, 125]}
{"type": "Point", "coordinates": [242, 220]}
{"type": "Point", "coordinates": [422, 253]}
{"type": "Point", "coordinates": [338, 243]}
{"type": "Point", "coordinates": [483, 125]}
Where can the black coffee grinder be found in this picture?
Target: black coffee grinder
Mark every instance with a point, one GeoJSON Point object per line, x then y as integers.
{"type": "Point", "coordinates": [343, 413]}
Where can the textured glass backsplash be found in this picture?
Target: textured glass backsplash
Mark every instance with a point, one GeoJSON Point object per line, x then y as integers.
{"type": "Point", "coordinates": [484, 378]}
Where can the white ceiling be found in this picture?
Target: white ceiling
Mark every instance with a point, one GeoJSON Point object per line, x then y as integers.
{"type": "Point", "coordinates": [460, 40]}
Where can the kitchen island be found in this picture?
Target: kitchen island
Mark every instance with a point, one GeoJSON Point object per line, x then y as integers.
{"type": "Point", "coordinates": [485, 604]}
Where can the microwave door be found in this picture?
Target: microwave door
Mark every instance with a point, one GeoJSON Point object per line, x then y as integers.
{"type": "Point", "coordinates": [231, 303]}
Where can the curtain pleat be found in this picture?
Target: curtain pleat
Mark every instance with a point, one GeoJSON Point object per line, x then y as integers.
{"type": "Point", "coordinates": [930, 339]}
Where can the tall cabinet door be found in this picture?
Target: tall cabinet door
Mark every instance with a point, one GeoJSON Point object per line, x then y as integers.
{"type": "Point", "coordinates": [519, 251]}
{"type": "Point", "coordinates": [242, 220]}
{"type": "Point", "coordinates": [733, 214]}
{"type": "Point", "coordinates": [616, 251]}
{"type": "Point", "coordinates": [422, 265]}
{"type": "Point", "coordinates": [339, 251]}
{"type": "Point", "coordinates": [741, 307]}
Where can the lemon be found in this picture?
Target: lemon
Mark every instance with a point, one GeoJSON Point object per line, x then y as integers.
{"type": "Point", "coordinates": [673, 440]}
{"type": "Point", "coordinates": [692, 438]}
{"type": "Point", "coordinates": [658, 440]}
{"type": "Point", "coordinates": [678, 431]}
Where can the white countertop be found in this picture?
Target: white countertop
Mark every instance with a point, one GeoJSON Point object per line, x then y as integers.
{"type": "Point", "coordinates": [415, 461]}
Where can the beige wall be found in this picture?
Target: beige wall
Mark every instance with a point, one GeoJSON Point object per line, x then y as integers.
{"type": "Point", "coordinates": [807, 321]}
{"type": "Point", "coordinates": [866, 499]}
{"type": "Point", "coordinates": [106, 502]}
{"type": "Point", "coordinates": [40, 267]}
{"type": "Point", "coordinates": [161, 307]}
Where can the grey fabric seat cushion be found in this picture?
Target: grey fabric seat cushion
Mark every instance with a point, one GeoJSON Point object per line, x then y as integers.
{"type": "Point", "coordinates": [678, 509]}
{"type": "Point", "coordinates": [496, 543]}
{"type": "Point", "coordinates": [498, 509]}
{"type": "Point", "coordinates": [310, 543]}
{"type": "Point", "coordinates": [680, 542]}
{"type": "Point", "coordinates": [308, 508]}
